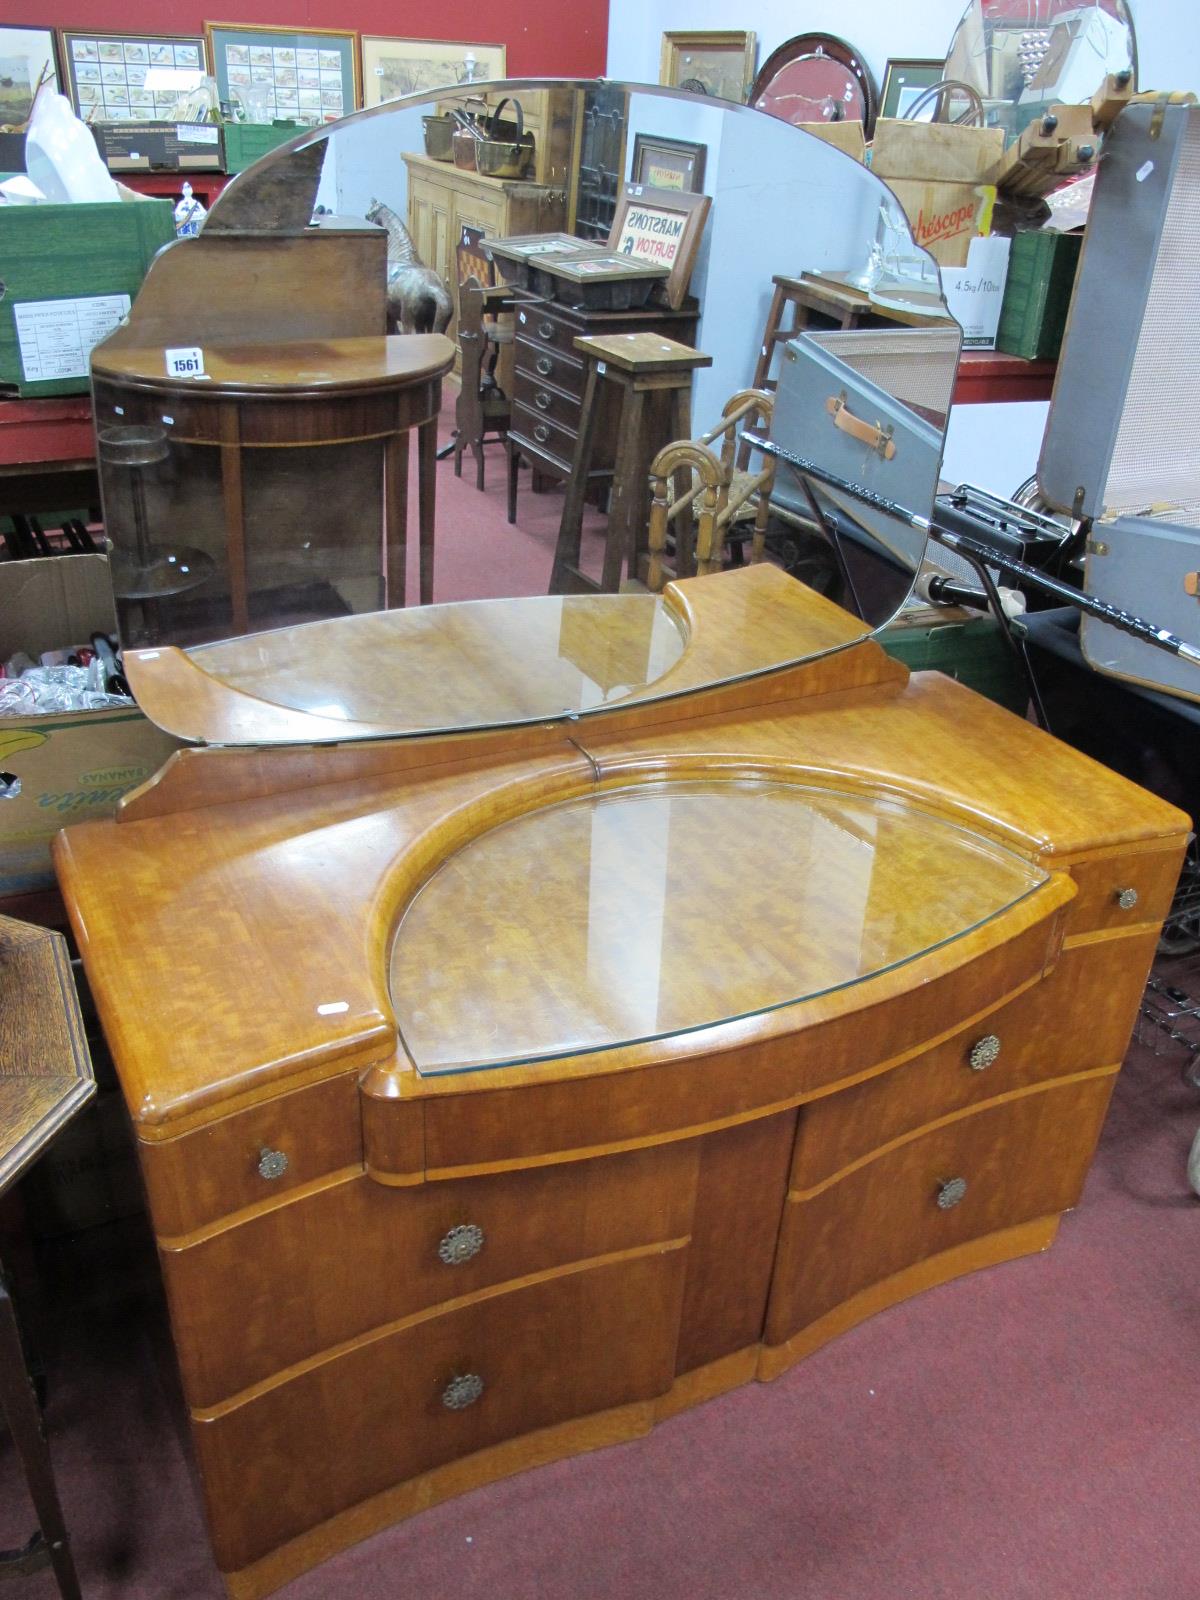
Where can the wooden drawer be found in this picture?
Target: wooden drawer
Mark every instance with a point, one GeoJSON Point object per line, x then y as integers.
{"type": "Point", "coordinates": [538, 396]}
{"type": "Point", "coordinates": [550, 366]}
{"type": "Point", "coordinates": [208, 1174]}
{"type": "Point", "coordinates": [1037, 1040]}
{"type": "Point", "coordinates": [349, 1428]}
{"type": "Point", "coordinates": [539, 325]}
{"type": "Point", "coordinates": [548, 436]}
{"type": "Point", "coordinates": [1104, 885]}
{"type": "Point", "coordinates": [336, 1264]}
{"type": "Point", "coordinates": [1020, 1160]}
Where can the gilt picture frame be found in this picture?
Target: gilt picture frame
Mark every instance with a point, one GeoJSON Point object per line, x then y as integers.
{"type": "Point", "coordinates": [307, 75]}
{"type": "Point", "coordinates": [664, 227]}
{"type": "Point", "coordinates": [395, 67]}
{"type": "Point", "coordinates": [718, 63]}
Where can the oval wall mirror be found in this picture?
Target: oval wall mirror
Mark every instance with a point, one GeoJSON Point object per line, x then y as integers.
{"type": "Point", "coordinates": [864, 390]}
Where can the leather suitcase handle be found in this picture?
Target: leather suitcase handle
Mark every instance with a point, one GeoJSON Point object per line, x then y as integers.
{"type": "Point", "coordinates": [879, 439]}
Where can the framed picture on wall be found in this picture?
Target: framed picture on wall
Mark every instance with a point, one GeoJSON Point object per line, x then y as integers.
{"type": "Point", "coordinates": [106, 73]}
{"type": "Point", "coordinates": [720, 63]}
{"type": "Point", "coordinates": [904, 82]}
{"type": "Point", "coordinates": [667, 163]}
{"type": "Point", "coordinates": [662, 227]}
{"type": "Point", "coordinates": [27, 59]}
{"type": "Point", "coordinates": [293, 74]}
{"type": "Point", "coordinates": [393, 67]}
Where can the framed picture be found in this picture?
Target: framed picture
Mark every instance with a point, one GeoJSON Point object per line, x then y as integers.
{"type": "Point", "coordinates": [106, 73]}
{"type": "Point", "coordinates": [27, 59]}
{"type": "Point", "coordinates": [720, 64]}
{"type": "Point", "coordinates": [662, 227]}
{"type": "Point", "coordinates": [904, 82]}
{"type": "Point", "coordinates": [392, 67]}
{"type": "Point", "coordinates": [667, 163]}
{"type": "Point", "coordinates": [293, 74]}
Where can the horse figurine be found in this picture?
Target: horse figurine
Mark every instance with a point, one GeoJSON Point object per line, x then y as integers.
{"type": "Point", "coordinates": [417, 301]}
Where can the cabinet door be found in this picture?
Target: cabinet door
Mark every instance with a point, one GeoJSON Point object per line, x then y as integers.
{"type": "Point", "coordinates": [949, 1187]}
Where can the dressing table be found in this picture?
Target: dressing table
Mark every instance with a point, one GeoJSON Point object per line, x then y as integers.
{"type": "Point", "coordinates": [647, 991]}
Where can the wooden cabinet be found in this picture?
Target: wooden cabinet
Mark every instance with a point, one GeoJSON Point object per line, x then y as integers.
{"type": "Point", "coordinates": [443, 199]}
{"type": "Point", "coordinates": [627, 1173]}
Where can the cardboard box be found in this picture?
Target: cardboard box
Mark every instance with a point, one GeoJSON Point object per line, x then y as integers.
{"type": "Point", "coordinates": [70, 273]}
{"type": "Point", "coordinates": [847, 136]}
{"type": "Point", "coordinates": [160, 146]}
{"type": "Point", "coordinates": [934, 152]}
{"type": "Point", "coordinates": [71, 768]}
{"type": "Point", "coordinates": [945, 217]}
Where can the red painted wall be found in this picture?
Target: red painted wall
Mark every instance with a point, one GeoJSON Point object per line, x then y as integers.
{"type": "Point", "coordinates": [544, 37]}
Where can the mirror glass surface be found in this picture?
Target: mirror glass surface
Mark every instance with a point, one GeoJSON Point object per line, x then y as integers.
{"type": "Point", "coordinates": [864, 392]}
{"type": "Point", "coordinates": [1023, 56]}
{"type": "Point", "coordinates": [639, 929]}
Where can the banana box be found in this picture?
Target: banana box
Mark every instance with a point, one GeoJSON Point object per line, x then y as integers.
{"type": "Point", "coordinates": [62, 768]}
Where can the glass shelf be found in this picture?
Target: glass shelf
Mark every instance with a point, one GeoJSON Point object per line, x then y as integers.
{"type": "Point", "coordinates": [648, 912]}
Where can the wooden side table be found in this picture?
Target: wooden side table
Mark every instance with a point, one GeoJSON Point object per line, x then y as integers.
{"type": "Point", "coordinates": [654, 378]}
{"type": "Point", "coordinates": [45, 1077]}
{"type": "Point", "coordinates": [292, 397]}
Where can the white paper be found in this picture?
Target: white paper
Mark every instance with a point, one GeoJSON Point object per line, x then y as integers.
{"type": "Point", "coordinates": [56, 337]}
{"type": "Point", "coordinates": [196, 133]}
{"type": "Point", "coordinates": [186, 361]}
{"type": "Point", "coordinates": [975, 293]}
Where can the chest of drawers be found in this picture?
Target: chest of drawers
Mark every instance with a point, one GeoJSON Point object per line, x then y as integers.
{"type": "Point", "coordinates": [494, 1104]}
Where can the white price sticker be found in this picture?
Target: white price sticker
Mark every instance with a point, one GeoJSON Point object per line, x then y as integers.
{"type": "Point", "coordinates": [196, 133]}
{"type": "Point", "coordinates": [185, 363]}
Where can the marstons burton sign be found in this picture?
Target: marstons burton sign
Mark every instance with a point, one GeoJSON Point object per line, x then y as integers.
{"type": "Point", "coordinates": [651, 235]}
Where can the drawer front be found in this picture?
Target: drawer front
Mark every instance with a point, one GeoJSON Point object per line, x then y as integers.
{"type": "Point", "coordinates": [1123, 891]}
{"type": "Point", "coordinates": [259, 1154]}
{"type": "Point", "coordinates": [549, 436]}
{"type": "Point", "coordinates": [337, 1264]}
{"type": "Point", "coordinates": [546, 401]}
{"type": "Point", "coordinates": [390, 1409]}
{"type": "Point", "coordinates": [1017, 1162]}
{"type": "Point", "coordinates": [540, 325]}
{"type": "Point", "coordinates": [1032, 1038]}
{"type": "Point", "coordinates": [550, 367]}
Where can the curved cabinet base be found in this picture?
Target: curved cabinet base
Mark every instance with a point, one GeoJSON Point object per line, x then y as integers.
{"type": "Point", "coordinates": [1027, 1239]}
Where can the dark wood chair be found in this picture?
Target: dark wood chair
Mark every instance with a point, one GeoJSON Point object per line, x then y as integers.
{"type": "Point", "coordinates": [483, 409]}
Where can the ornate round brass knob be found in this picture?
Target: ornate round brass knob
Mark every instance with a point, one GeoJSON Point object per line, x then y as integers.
{"type": "Point", "coordinates": [544, 365]}
{"type": "Point", "coordinates": [271, 1163]}
{"type": "Point", "coordinates": [950, 1193]}
{"type": "Point", "coordinates": [460, 1244]}
{"type": "Point", "coordinates": [541, 433]}
{"type": "Point", "coordinates": [983, 1052]}
{"type": "Point", "coordinates": [1126, 899]}
{"type": "Point", "coordinates": [462, 1391]}
{"type": "Point", "coordinates": [542, 400]}
{"type": "Point", "coordinates": [545, 330]}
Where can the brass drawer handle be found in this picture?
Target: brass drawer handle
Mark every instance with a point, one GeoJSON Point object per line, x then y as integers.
{"type": "Point", "coordinates": [462, 1392]}
{"type": "Point", "coordinates": [271, 1164]}
{"type": "Point", "coordinates": [1126, 898]}
{"type": "Point", "coordinates": [983, 1052]}
{"type": "Point", "coordinates": [541, 433]}
{"type": "Point", "coordinates": [545, 330]}
{"type": "Point", "coordinates": [542, 400]}
{"type": "Point", "coordinates": [460, 1244]}
{"type": "Point", "coordinates": [544, 365]}
{"type": "Point", "coordinates": [950, 1193]}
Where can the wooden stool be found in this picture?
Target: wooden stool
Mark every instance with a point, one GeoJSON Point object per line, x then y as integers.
{"type": "Point", "coordinates": [645, 368]}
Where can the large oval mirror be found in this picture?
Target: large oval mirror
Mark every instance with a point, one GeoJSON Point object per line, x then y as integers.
{"type": "Point", "coordinates": [805, 279]}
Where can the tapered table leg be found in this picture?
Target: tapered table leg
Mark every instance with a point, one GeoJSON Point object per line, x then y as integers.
{"type": "Point", "coordinates": [426, 502]}
{"type": "Point", "coordinates": [395, 524]}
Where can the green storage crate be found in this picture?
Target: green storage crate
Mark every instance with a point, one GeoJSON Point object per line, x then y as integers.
{"type": "Point", "coordinates": [248, 142]}
{"type": "Point", "coordinates": [1037, 294]}
{"type": "Point", "coordinates": [972, 652]}
{"type": "Point", "coordinates": [83, 254]}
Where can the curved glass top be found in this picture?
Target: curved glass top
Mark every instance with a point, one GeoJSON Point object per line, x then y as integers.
{"type": "Point", "coordinates": [656, 910]}
{"type": "Point", "coordinates": [474, 664]}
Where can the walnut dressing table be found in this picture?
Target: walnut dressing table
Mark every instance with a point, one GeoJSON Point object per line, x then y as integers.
{"type": "Point", "coordinates": [502, 1091]}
